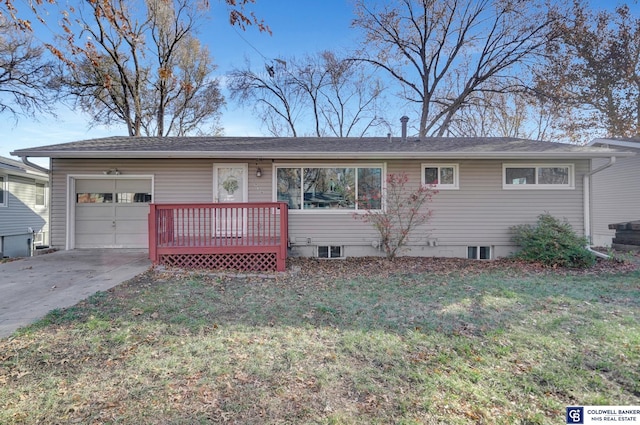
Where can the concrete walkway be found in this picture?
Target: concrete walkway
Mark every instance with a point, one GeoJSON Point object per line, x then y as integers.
{"type": "Point", "coordinates": [31, 287]}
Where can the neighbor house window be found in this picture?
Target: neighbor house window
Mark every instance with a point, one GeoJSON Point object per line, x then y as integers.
{"type": "Point", "coordinates": [440, 176]}
{"type": "Point", "coordinates": [330, 188]}
{"type": "Point", "coordinates": [38, 238]}
{"type": "Point", "coordinates": [547, 176]}
{"type": "Point", "coordinates": [3, 191]}
{"type": "Point", "coordinates": [40, 195]}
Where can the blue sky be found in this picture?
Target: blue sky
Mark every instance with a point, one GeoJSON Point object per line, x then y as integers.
{"type": "Point", "coordinates": [298, 26]}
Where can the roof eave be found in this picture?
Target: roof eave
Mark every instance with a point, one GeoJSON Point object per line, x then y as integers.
{"type": "Point", "coordinates": [319, 155]}
{"type": "Point", "coordinates": [24, 173]}
{"type": "Point", "coordinates": [614, 142]}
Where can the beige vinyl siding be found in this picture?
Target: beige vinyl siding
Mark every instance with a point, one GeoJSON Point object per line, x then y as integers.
{"type": "Point", "coordinates": [479, 213]}
{"type": "Point", "coordinates": [615, 197]}
{"type": "Point", "coordinates": [21, 211]}
{"type": "Point", "coordinates": [329, 227]}
{"type": "Point", "coordinates": [175, 180]}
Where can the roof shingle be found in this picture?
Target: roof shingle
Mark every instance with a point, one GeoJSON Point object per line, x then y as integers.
{"type": "Point", "coordinates": [312, 147]}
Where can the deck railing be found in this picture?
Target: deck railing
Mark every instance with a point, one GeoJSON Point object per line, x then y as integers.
{"type": "Point", "coordinates": [241, 236]}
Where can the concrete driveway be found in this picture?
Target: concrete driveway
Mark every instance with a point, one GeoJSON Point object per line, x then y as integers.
{"type": "Point", "coordinates": [31, 287]}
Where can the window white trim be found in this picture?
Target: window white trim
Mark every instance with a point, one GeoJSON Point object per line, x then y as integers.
{"type": "Point", "coordinates": [274, 190]}
{"type": "Point", "coordinates": [482, 252]}
{"type": "Point", "coordinates": [537, 186]}
{"type": "Point", "coordinates": [70, 234]}
{"type": "Point", "coordinates": [4, 185]}
{"type": "Point", "coordinates": [44, 194]}
{"type": "Point", "coordinates": [330, 251]}
{"type": "Point", "coordinates": [439, 166]}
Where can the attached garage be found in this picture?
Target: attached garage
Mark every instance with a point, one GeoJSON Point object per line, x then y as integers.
{"type": "Point", "coordinates": [110, 212]}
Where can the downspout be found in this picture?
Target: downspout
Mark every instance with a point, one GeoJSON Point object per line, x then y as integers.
{"type": "Point", "coordinates": [586, 187]}
{"type": "Point", "coordinates": [26, 161]}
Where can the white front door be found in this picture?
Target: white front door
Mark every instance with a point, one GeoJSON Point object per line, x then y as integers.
{"type": "Point", "coordinates": [230, 184]}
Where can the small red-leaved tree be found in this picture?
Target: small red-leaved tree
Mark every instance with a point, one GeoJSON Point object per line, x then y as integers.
{"type": "Point", "coordinates": [402, 212]}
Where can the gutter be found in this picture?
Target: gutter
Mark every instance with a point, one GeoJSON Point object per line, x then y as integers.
{"type": "Point", "coordinates": [614, 142]}
{"type": "Point", "coordinates": [319, 155]}
{"type": "Point", "coordinates": [26, 161]}
{"type": "Point", "coordinates": [586, 187]}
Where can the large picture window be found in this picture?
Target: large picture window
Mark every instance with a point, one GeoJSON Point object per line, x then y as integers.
{"type": "Point", "coordinates": [330, 188]}
{"type": "Point", "coordinates": [546, 176]}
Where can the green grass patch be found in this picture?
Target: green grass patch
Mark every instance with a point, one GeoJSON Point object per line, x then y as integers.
{"type": "Point", "coordinates": [419, 348]}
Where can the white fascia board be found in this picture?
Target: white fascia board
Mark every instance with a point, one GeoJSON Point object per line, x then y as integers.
{"type": "Point", "coordinates": [324, 155]}
{"type": "Point", "coordinates": [24, 173]}
{"type": "Point", "coordinates": [614, 142]}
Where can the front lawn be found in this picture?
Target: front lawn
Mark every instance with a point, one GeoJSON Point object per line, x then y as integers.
{"type": "Point", "coordinates": [364, 341]}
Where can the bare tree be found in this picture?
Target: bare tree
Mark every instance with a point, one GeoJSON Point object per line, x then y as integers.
{"type": "Point", "coordinates": [151, 74]}
{"type": "Point", "coordinates": [39, 9]}
{"type": "Point", "coordinates": [444, 53]}
{"type": "Point", "coordinates": [275, 99]}
{"type": "Point", "coordinates": [319, 95]}
{"type": "Point", "coordinates": [27, 82]}
{"type": "Point", "coordinates": [352, 98]}
{"type": "Point", "coordinates": [592, 75]}
{"type": "Point", "coordinates": [495, 114]}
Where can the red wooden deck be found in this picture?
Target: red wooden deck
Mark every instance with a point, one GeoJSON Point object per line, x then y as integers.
{"type": "Point", "coordinates": [240, 236]}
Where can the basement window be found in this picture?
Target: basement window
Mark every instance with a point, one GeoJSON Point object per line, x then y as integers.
{"type": "Point", "coordinates": [479, 252]}
{"type": "Point", "coordinates": [330, 251]}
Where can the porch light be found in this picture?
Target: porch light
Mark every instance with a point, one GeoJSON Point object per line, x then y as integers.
{"type": "Point", "coordinates": [259, 172]}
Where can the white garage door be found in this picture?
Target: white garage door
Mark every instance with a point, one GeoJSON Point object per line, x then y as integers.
{"type": "Point", "coordinates": [112, 213]}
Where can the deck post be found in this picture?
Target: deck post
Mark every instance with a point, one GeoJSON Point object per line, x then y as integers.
{"type": "Point", "coordinates": [284, 236]}
{"type": "Point", "coordinates": [153, 234]}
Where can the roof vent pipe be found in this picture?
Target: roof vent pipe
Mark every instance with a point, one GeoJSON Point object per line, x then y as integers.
{"type": "Point", "coordinates": [404, 120]}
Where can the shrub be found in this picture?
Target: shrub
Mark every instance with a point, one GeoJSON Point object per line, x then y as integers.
{"type": "Point", "coordinates": [403, 212]}
{"type": "Point", "coordinates": [553, 243]}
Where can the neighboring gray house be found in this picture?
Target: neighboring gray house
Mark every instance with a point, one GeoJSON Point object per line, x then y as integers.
{"type": "Point", "coordinates": [101, 188]}
{"type": "Point", "coordinates": [24, 210]}
{"type": "Point", "coordinates": [615, 191]}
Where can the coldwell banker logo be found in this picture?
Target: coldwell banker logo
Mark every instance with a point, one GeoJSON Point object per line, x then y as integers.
{"type": "Point", "coordinates": [575, 415]}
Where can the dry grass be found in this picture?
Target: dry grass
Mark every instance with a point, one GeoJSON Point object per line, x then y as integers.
{"type": "Point", "coordinates": [365, 341]}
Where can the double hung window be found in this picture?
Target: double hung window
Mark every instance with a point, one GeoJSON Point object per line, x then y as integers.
{"type": "Point", "coordinates": [3, 191]}
{"type": "Point", "coordinates": [40, 194]}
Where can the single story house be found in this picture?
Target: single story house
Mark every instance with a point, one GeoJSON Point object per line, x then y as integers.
{"type": "Point", "coordinates": [102, 189]}
{"type": "Point", "coordinates": [615, 191]}
{"type": "Point", "coordinates": [24, 209]}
